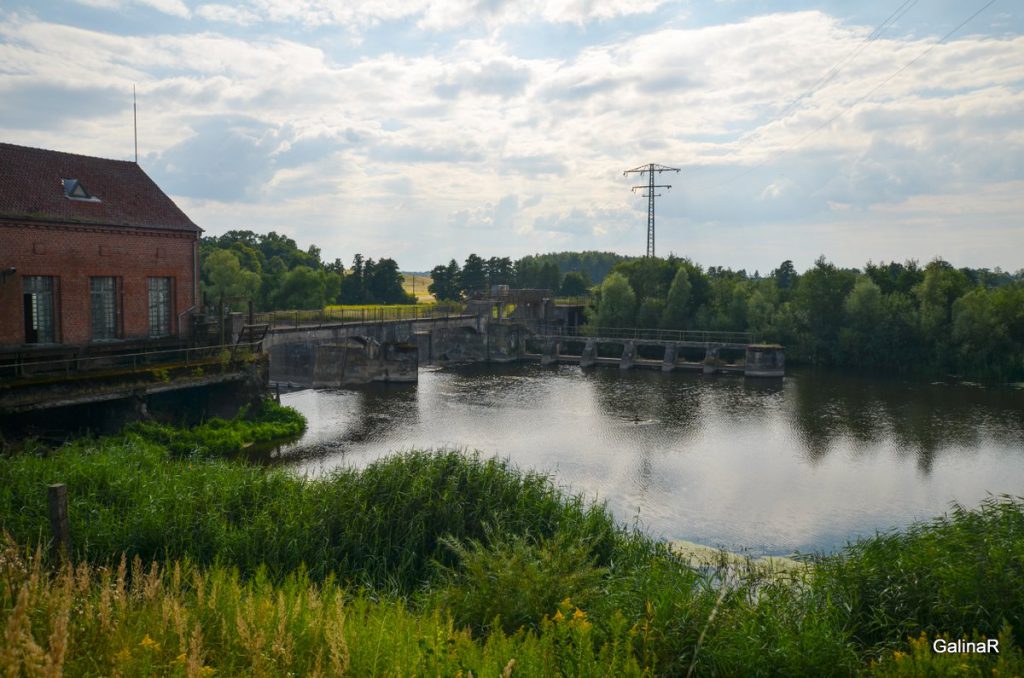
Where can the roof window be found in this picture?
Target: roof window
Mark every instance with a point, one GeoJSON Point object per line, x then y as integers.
{"type": "Point", "coordinates": [74, 190]}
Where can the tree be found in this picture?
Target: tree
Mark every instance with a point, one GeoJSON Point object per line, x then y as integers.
{"type": "Point", "coordinates": [860, 339]}
{"type": "Point", "coordinates": [677, 307]}
{"type": "Point", "coordinates": [818, 300]}
{"type": "Point", "coordinates": [499, 271]}
{"type": "Point", "coordinates": [785, 275]}
{"type": "Point", "coordinates": [473, 279]}
{"type": "Point", "coordinates": [618, 302]}
{"type": "Point", "coordinates": [384, 284]}
{"type": "Point", "coordinates": [224, 279]}
{"type": "Point", "coordinates": [574, 284]}
{"type": "Point", "coordinates": [550, 277]}
{"type": "Point", "coordinates": [444, 283]}
{"type": "Point", "coordinates": [303, 288]}
{"type": "Point", "coordinates": [648, 316]}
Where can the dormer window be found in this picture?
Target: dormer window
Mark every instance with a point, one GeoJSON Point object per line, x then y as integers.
{"type": "Point", "coordinates": [74, 190]}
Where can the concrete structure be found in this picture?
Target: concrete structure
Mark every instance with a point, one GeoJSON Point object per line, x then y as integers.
{"type": "Point", "coordinates": [362, 352]}
{"type": "Point", "coordinates": [91, 251]}
{"type": "Point", "coordinates": [351, 353]}
{"type": "Point", "coordinates": [760, 360]}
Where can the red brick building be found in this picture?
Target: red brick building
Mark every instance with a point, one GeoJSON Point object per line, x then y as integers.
{"type": "Point", "coordinates": [91, 252]}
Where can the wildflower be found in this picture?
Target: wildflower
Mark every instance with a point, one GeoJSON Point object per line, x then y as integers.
{"type": "Point", "coordinates": [180, 659]}
{"type": "Point", "coordinates": [149, 643]}
{"type": "Point", "coordinates": [897, 655]}
{"type": "Point", "coordinates": [559, 616]}
{"type": "Point", "coordinates": [578, 615]}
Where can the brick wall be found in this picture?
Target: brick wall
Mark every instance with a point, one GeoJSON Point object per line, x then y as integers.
{"type": "Point", "coordinates": [72, 254]}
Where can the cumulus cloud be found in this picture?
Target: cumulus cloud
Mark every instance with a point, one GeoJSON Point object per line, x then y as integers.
{"type": "Point", "coordinates": [467, 136]}
{"type": "Point", "coordinates": [172, 7]}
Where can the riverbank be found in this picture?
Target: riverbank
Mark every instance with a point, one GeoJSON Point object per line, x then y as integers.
{"type": "Point", "coordinates": [443, 562]}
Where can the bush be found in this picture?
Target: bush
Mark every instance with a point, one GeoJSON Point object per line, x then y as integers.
{"type": "Point", "coordinates": [265, 422]}
{"type": "Point", "coordinates": [515, 582]}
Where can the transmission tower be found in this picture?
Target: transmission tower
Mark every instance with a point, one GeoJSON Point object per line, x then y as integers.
{"type": "Point", "coordinates": [650, 169]}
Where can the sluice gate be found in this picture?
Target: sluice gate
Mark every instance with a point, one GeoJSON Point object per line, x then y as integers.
{"type": "Point", "coordinates": [666, 350]}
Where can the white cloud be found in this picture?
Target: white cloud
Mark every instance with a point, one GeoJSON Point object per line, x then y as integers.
{"type": "Point", "coordinates": [458, 136]}
{"type": "Point", "coordinates": [228, 14]}
{"type": "Point", "coordinates": [171, 7]}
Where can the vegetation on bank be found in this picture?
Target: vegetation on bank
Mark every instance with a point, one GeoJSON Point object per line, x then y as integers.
{"type": "Point", "coordinates": [271, 271]}
{"type": "Point", "coordinates": [440, 563]}
{"type": "Point", "coordinates": [567, 274]}
{"type": "Point", "coordinates": [264, 422]}
{"type": "Point", "coordinates": [900, 318]}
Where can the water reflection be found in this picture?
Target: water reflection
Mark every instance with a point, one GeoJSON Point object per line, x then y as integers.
{"type": "Point", "coordinates": [919, 420]}
{"type": "Point", "coordinates": [767, 466]}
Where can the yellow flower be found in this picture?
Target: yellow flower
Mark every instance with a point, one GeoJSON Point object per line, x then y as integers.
{"type": "Point", "coordinates": [578, 615]}
{"type": "Point", "coordinates": [181, 658]}
{"type": "Point", "coordinates": [149, 643]}
{"type": "Point", "coordinates": [559, 616]}
{"type": "Point", "coordinates": [207, 671]}
{"type": "Point", "coordinates": [897, 655]}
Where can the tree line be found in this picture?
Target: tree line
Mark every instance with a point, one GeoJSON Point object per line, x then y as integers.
{"type": "Point", "coordinates": [563, 273]}
{"type": "Point", "coordinates": [271, 270]}
{"type": "Point", "coordinates": [897, 317]}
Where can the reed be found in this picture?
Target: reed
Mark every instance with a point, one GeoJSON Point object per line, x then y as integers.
{"type": "Point", "coordinates": [441, 562]}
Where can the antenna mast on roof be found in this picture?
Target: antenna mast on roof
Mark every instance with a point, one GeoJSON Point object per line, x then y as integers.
{"type": "Point", "coordinates": [135, 124]}
{"type": "Point", "coordinates": [650, 168]}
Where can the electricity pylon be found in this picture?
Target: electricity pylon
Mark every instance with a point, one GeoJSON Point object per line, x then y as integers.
{"type": "Point", "coordinates": [651, 169]}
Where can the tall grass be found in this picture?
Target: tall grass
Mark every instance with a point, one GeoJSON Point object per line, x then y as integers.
{"type": "Point", "coordinates": [959, 574]}
{"type": "Point", "coordinates": [445, 562]}
{"type": "Point", "coordinates": [382, 526]}
{"type": "Point", "coordinates": [183, 620]}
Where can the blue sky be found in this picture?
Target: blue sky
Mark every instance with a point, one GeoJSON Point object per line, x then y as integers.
{"type": "Point", "coordinates": [426, 130]}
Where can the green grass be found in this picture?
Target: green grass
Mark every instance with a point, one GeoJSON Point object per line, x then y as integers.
{"type": "Point", "coordinates": [382, 526]}
{"type": "Point", "coordinates": [435, 563]}
{"type": "Point", "coordinates": [265, 422]}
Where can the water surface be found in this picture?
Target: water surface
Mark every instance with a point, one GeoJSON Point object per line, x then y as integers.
{"type": "Point", "coordinates": [768, 467]}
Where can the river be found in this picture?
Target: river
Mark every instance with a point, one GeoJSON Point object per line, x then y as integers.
{"type": "Point", "coordinates": [802, 464]}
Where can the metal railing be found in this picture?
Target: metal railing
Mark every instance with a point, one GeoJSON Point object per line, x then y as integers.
{"type": "Point", "coordinates": [28, 364]}
{"type": "Point", "coordinates": [640, 334]}
{"type": "Point", "coordinates": [338, 316]}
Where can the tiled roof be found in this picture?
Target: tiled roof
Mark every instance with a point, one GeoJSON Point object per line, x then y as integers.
{"type": "Point", "coordinates": [31, 187]}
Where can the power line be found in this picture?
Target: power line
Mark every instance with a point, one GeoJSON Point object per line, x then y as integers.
{"type": "Point", "coordinates": [846, 109]}
{"type": "Point", "coordinates": [829, 75]}
{"type": "Point", "coordinates": [834, 71]}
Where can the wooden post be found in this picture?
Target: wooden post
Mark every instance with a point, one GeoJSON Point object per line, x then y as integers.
{"type": "Point", "coordinates": [59, 525]}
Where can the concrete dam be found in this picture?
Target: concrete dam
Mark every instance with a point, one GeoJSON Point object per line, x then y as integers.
{"type": "Point", "coordinates": [329, 354]}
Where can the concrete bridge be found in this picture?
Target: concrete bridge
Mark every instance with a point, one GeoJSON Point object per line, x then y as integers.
{"type": "Point", "coordinates": [330, 352]}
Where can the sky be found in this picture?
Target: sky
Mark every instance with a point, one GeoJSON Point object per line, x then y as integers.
{"type": "Point", "coordinates": [424, 130]}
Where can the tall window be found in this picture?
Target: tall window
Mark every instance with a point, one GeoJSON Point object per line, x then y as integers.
{"type": "Point", "coordinates": [104, 308]}
{"type": "Point", "coordinates": [159, 307]}
{"type": "Point", "coordinates": [37, 296]}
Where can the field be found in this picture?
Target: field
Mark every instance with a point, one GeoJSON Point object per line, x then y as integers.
{"type": "Point", "coordinates": [417, 283]}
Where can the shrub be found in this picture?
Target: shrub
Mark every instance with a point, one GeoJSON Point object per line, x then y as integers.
{"type": "Point", "coordinates": [514, 582]}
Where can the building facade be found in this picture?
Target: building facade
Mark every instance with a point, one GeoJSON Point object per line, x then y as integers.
{"type": "Point", "coordinates": [91, 252]}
